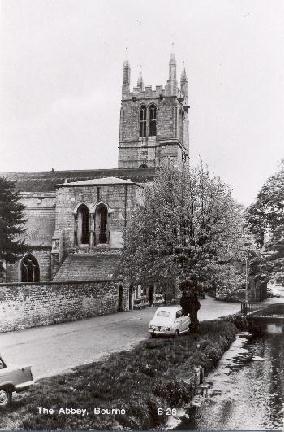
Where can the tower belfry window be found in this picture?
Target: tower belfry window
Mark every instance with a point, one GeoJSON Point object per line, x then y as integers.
{"type": "Point", "coordinates": [152, 120]}
{"type": "Point", "coordinates": [142, 121]}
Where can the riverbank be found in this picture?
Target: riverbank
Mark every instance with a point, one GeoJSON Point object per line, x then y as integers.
{"type": "Point", "coordinates": [247, 388]}
{"type": "Point", "coordinates": [139, 384]}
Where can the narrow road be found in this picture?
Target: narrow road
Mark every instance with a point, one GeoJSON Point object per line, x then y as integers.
{"type": "Point", "coordinates": [54, 349]}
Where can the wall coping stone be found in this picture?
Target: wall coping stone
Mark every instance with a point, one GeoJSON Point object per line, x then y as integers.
{"type": "Point", "coordinates": [67, 282]}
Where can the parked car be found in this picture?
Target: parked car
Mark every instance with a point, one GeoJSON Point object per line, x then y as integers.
{"type": "Point", "coordinates": [14, 380]}
{"type": "Point", "coordinates": [168, 321]}
{"type": "Point", "coordinates": [158, 299]}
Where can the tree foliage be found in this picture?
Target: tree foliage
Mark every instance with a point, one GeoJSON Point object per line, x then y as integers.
{"type": "Point", "coordinates": [11, 222]}
{"type": "Point", "coordinates": [266, 222]}
{"type": "Point", "coordinates": [188, 228]}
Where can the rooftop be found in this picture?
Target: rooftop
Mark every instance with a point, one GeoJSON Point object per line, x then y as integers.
{"type": "Point", "coordinates": [47, 181]}
{"type": "Point", "coordinates": [98, 181]}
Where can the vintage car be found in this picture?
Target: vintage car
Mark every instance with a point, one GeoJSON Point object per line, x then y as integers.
{"type": "Point", "coordinates": [13, 379]}
{"type": "Point", "coordinates": [168, 321]}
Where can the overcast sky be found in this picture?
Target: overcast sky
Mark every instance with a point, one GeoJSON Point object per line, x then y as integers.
{"type": "Point", "coordinates": [61, 76]}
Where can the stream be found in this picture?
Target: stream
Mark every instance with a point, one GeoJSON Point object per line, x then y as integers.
{"type": "Point", "coordinates": [247, 387]}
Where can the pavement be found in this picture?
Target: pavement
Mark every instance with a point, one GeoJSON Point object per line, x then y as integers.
{"type": "Point", "coordinates": [59, 348]}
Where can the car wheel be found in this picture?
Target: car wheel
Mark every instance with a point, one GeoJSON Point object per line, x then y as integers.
{"type": "Point", "coordinates": [5, 397]}
{"type": "Point", "coordinates": [153, 335]}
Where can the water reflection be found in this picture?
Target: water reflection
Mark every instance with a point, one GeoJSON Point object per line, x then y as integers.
{"type": "Point", "coordinates": [247, 392]}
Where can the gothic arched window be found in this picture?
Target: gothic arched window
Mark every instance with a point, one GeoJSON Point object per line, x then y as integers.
{"type": "Point", "coordinates": [83, 231]}
{"type": "Point", "coordinates": [142, 121]}
{"type": "Point", "coordinates": [101, 224]}
{"type": "Point", "coordinates": [29, 269]}
{"type": "Point", "coordinates": [152, 120]}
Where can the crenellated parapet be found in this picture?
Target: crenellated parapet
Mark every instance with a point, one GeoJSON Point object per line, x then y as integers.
{"type": "Point", "coordinates": [147, 93]}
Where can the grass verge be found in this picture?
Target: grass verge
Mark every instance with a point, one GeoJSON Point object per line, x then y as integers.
{"type": "Point", "coordinates": [139, 381]}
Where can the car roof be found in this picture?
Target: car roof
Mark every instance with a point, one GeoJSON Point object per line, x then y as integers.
{"type": "Point", "coordinates": [169, 308]}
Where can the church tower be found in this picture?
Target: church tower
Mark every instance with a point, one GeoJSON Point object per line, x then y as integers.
{"type": "Point", "coordinates": [153, 122]}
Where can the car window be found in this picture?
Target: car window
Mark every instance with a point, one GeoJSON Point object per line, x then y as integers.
{"type": "Point", "coordinates": [163, 313]}
{"type": "Point", "coordinates": [178, 314]}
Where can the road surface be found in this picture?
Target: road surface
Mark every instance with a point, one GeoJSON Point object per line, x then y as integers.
{"type": "Point", "coordinates": [54, 349]}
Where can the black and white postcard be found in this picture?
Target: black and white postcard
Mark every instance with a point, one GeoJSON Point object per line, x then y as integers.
{"type": "Point", "coordinates": [141, 215]}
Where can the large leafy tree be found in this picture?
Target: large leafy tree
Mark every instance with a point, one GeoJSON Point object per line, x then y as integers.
{"type": "Point", "coordinates": [11, 222]}
{"type": "Point", "coordinates": [266, 221]}
{"type": "Point", "coordinates": [189, 228]}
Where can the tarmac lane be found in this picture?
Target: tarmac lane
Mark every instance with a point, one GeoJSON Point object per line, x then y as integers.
{"type": "Point", "coordinates": [58, 348]}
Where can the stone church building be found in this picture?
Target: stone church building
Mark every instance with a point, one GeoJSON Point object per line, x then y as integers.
{"type": "Point", "coordinates": [76, 219]}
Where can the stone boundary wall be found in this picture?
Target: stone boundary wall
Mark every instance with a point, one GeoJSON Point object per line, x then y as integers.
{"type": "Point", "coordinates": [26, 305]}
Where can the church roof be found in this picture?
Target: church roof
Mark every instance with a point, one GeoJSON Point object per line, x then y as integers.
{"type": "Point", "coordinates": [99, 181]}
{"type": "Point", "coordinates": [47, 181]}
{"type": "Point", "coordinates": [88, 267]}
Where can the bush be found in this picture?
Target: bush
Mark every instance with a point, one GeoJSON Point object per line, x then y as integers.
{"type": "Point", "coordinates": [238, 320]}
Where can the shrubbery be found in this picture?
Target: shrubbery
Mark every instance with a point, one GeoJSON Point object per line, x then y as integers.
{"type": "Point", "coordinates": [238, 320]}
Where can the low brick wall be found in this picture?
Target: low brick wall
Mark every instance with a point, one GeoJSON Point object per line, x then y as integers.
{"type": "Point", "coordinates": [25, 305]}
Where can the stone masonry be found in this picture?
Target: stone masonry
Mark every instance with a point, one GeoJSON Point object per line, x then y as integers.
{"type": "Point", "coordinates": [120, 197]}
{"type": "Point", "coordinates": [40, 225]}
{"type": "Point", "coordinates": [30, 305]}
